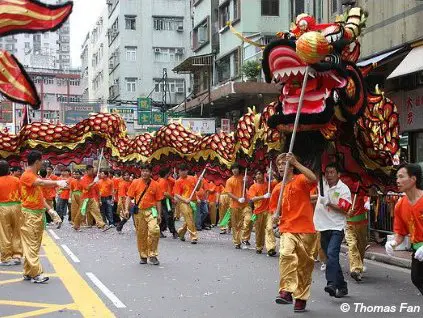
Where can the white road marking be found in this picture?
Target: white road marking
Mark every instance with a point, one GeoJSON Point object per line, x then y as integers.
{"type": "Point", "coordinates": [71, 254]}
{"type": "Point", "coordinates": [54, 234]}
{"type": "Point", "coordinates": [107, 292]}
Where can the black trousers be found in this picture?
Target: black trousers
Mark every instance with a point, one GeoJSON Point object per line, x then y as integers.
{"type": "Point", "coordinates": [168, 220]}
{"type": "Point", "coordinates": [417, 273]}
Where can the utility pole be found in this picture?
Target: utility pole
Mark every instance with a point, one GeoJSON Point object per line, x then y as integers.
{"type": "Point", "coordinates": [165, 88]}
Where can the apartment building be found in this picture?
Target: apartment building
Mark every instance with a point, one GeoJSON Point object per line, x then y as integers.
{"type": "Point", "coordinates": [220, 89]}
{"type": "Point", "coordinates": [46, 50]}
{"type": "Point", "coordinates": [132, 49]}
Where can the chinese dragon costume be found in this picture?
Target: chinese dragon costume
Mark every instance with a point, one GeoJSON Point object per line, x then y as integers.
{"type": "Point", "coordinates": [340, 119]}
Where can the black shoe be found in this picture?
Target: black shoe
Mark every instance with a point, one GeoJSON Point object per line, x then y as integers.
{"type": "Point", "coordinates": [238, 246]}
{"type": "Point", "coordinates": [59, 225]}
{"type": "Point", "coordinates": [259, 251]}
{"type": "Point", "coordinates": [222, 231]}
{"type": "Point", "coordinates": [143, 260]}
{"type": "Point", "coordinates": [194, 242]}
{"type": "Point", "coordinates": [271, 253]}
{"type": "Point", "coordinates": [246, 243]}
{"type": "Point", "coordinates": [208, 228]}
{"type": "Point", "coordinates": [331, 290]}
{"type": "Point", "coordinates": [356, 276]}
{"type": "Point", "coordinates": [175, 235]}
{"type": "Point", "coordinates": [162, 235]}
{"type": "Point", "coordinates": [200, 229]}
{"type": "Point", "coordinates": [182, 238]}
{"type": "Point", "coordinates": [341, 292]}
{"type": "Point", "coordinates": [154, 261]}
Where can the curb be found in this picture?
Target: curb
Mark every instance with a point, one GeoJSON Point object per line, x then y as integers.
{"type": "Point", "coordinates": [383, 258]}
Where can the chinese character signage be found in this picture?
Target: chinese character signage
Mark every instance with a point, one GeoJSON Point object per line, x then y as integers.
{"type": "Point", "coordinates": [410, 108]}
{"type": "Point", "coordinates": [225, 125]}
{"type": "Point", "coordinates": [144, 118]}
{"type": "Point", "coordinates": [157, 118]}
{"type": "Point", "coordinates": [144, 104]}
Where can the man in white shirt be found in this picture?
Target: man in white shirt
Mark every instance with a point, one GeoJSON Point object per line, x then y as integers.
{"type": "Point", "coordinates": [330, 218]}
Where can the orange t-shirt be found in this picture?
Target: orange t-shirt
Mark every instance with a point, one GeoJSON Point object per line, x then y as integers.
{"type": "Point", "coordinates": [151, 196]}
{"type": "Point", "coordinates": [408, 219]}
{"type": "Point", "coordinates": [172, 184]}
{"type": "Point", "coordinates": [184, 187]}
{"type": "Point", "coordinates": [75, 185]}
{"type": "Point", "coordinates": [359, 209]}
{"type": "Point", "coordinates": [235, 186]}
{"type": "Point", "coordinates": [257, 190]}
{"type": "Point", "coordinates": [32, 196]}
{"type": "Point", "coordinates": [212, 190]}
{"type": "Point", "coordinates": [116, 182]}
{"type": "Point", "coordinates": [106, 187]}
{"type": "Point", "coordinates": [91, 193]}
{"type": "Point", "coordinates": [50, 192]}
{"type": "Point", "coordinates": [123, 188]}
{"type": "Point", "coordinates": [297, 210]}
{"type": "Point", "coordinates": [165, 184]}
{"type": "Point", "coordinates": [65, 192]}
{"type": "Point", "coordinates": [9, 189]}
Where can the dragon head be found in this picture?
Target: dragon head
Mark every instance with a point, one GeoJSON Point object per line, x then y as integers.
{"type": "Point", "coordinates": [334, 86]}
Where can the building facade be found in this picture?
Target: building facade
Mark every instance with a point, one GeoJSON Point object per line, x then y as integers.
{"type": "Point", "coordinates": [132, 49]}
{"type": "Point", "coordinates": [46, 50]}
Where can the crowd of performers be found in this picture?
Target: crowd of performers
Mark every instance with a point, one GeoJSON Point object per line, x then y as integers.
{"type": "Point", "coordinates": [311, 220]}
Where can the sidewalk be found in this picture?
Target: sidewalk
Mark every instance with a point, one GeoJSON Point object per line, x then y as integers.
{"type": "Point", "coordinates": [377, 253]}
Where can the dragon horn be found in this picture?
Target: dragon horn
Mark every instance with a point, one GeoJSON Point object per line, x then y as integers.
{"type": "Point", "coordinates": [243, 38]}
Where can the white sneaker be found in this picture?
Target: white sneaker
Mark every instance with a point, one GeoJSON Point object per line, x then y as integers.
{"type": "Point", "coordinates": [16, 261]}
{"type": "Point", "coordinates": [323, 267]}
{"type": "Point", "coordinates": [7, 263]}
{"type": "Point", "coordinates": [364, 268]}
{"type": "Point", "coordinates": [39, 279]}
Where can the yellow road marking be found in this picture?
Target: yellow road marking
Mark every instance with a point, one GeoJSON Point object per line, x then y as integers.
{"type": "Point", "coordinates": [10, 281]}
{"type": "Point", "coordinates": [43, 311]}
{"type": "Point", "coordinates": [29, 304]}
{"type": "Point", "coordinates": [86, 300]}
{"type": "Point", "coordinates": [21, 273]}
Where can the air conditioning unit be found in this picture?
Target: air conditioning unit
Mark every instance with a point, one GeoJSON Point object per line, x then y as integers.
{"type": "Point", "coordinates": [180, 51]}
{"type": "Point", "coordinates": [157, 50]}
{"type": "Point", "coordinates": [180, 90]}
{"type": "Point", "coordinates": [109, 2]}
{"type": "Point", "coordinates": [180, 28]}
{"type": "Point", "coordinates": [111, 65]}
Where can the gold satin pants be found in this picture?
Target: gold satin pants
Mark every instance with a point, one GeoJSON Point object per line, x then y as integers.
{"type": "Point", "coordinates": [213, 212]}
{"type": "Point", "coordinates": [318, 252]}
{"type": "Point", "coordinates": [189, 223]}
{"type": "Point", "coordinates": [53, 214]}
{"type": "Point", "coordinates": [356, 237]}
{"type": "Point", "coordinates": [247, 223]}
{"type": "Point", "coordinates": [93, 210]}
{"type": "Point", "coordinates": [32, 235]}
{"type": "Point", "coordinates": [121, 207]}
{"type": "Point", "coordinates": [296, 264]}
{"type": "Point", "coordinates": [224, 203]}
{"type": "Point", "coordinates": [76, 205]}
{"type": "Point", "coordinates": [10, 232]}
{"type": "Point", "coordinates": [237, 222]}
{"type": "Point", "coordinates": [264, 232]}
{"type": "Point", "coordinates": [148, 233]}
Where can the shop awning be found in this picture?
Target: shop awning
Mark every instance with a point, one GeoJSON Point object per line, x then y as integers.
{"type": "Point", "coordinates": [378, 58]}
{"type": "Point", "coordinates": [193, 63]}
{"type": "Point", "coordinates": [412, 63]}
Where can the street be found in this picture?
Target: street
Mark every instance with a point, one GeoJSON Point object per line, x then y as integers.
{"type": "Point", "coordinates": [210, 279]}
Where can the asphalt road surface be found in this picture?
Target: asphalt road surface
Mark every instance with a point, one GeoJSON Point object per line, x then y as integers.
{"type": "Point", "coordinates": [98, 274]}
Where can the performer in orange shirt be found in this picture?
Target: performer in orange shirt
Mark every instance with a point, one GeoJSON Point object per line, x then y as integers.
{"type": "Point", "coordinates": [10, 217]}
{"type": "Point", "coordinates": [49, 194]}
{"type": "Point", "coordinates": [16, 172]}
{"type": "Point", "coordinates": [259, 195]}
{"type": "Point", "coordinates": [167, 220]}
{"type": "Point", "coordinates": [224, 205]}
{"type": "Point", "coordinates": [64, 195]}
{"type": "Point", "coordinates": [124, 185]}
{"type": "Point", "coordinates": [76, 193]}
{"type": "Point", "coordinates": [33, 208]}
{"type": "Point", "coordinates": [105, 186]}
{"type": "Point", "coordinates": [146, 213]}
{"type": "Point", "coordinates": [89, 199]}
{"type": "Point", "coordinates": [202, 195]}
{"type": "Point", "coordinates": [239, 205]}
{"type": "Point", "coordinates": [182, 190]}
{"type": "Point", "coordinates": [116, 180]}
{"type": "Point", "coordinates": [298, 235]}
{"type": "Point", "coordinates": [213, 195]}
{"type": "Point", "coordinates": [408, 219]}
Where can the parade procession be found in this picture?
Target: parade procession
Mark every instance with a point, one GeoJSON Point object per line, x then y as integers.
{"type": "Point", "coordinates": [306, 202]}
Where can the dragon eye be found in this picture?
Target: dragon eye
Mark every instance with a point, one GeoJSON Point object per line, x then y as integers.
{"type": "Point", "coordinates": [333, 58]}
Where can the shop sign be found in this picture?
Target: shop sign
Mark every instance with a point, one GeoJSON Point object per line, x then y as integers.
{"type": "Point", "coordinates": [410, 107]}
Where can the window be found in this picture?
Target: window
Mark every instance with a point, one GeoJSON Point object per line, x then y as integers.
{"type": "Point", "coordinates": [113, 31]}
{"type": "Point", "coordinates": [167, 55]}
{"type": "Point", "coordinates": [131, 53]}
{"type": "Point", "coordinates": [27, 35]}
{"type": "Point", "coordinates": [45, 35]}
{"type": "Point", "coordinates": [130, 84]}
{"type": "Point", "coordinates": [334, 6]}
{"type": "Point", "coordinates": [130, 22]}
{"type": "Point", "coordinates": [224, 15]}
{"type": "Point", "coordinates": [237, 9]}
{"type": "Point", "coordinates": [173, 85]}
{"type": "Point", "coordinates": [271, 7]}
{"type": "Point", "coordinates": [168, 23]}
{"type": "Point", "coordinates": [27, 45]}
{"type": "Point", "coordinates": [200, 34]}
{"type": "Point", "coordinates": [297, 7]}
{"type": "Point", "coordinates": [224, 69]}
